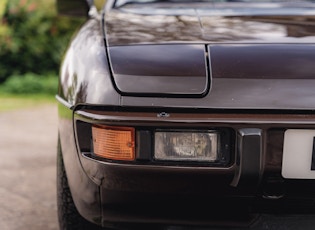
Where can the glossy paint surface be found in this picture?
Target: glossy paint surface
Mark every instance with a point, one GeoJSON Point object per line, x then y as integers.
{"type": "Point", "coordinates": [85, 75]}
{"type": "Point", "coordinates": [85, 192]}
{"type": "Point", "coordinates": [262, 61]}
{"type": "Point", "coordinates": [253, 76]}
{"type": "Point", "coordinates": [243, 72]}
{"type": "Point", "coordinates": [160, 69]}
{"type": "Point", "coordinates": [200, 24]}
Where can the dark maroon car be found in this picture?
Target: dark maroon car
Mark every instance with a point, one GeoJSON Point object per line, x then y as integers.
{"type": "Point", "coordinates": [188, 113]}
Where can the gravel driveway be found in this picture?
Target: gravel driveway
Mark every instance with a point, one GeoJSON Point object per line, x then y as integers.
{"type": "Point", "coordinates": [28, 140]}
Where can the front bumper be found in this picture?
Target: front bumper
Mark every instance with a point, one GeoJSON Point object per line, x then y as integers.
{"type": "Point", "coordinates": [145, 191]}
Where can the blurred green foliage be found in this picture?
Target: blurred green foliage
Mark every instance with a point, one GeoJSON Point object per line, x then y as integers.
{"type": "Point", "coordinates": [3, 4]}
{"type": "Point", "coordinates": [33, 38]}
{"type": "Point", "coordinates": [30, 84]}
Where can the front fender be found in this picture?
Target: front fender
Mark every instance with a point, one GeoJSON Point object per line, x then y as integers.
{"type": "Point", "coordinates": [85, 76]}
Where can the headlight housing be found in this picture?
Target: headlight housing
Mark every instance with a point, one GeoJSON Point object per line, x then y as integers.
{"type": "Point", "coordinates": [212, 147]}
{"type": "Point", "coordinates": [188, 145]}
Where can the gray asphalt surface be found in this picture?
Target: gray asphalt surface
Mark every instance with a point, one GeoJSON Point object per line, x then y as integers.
{"type": "Point", "coordinates": [28, 142]}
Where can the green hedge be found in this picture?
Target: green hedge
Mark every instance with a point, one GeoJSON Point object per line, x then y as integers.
{"type": "Point", "coordinates": [33, 37]}
{"type": "Point", "coordinates": [30, 84]}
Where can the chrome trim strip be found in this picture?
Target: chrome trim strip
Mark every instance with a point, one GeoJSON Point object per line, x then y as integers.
{"type": "Point", "coordinates": [226, 120]}
{"type": "Point", "coordinates": [64, 102]}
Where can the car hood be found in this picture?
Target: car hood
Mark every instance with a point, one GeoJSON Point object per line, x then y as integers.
{"type": "Point", "coordinates": [258, 61]}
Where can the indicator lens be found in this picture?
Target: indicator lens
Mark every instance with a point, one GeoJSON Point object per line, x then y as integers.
{"type": "Point", "coordinates": [116, 143]}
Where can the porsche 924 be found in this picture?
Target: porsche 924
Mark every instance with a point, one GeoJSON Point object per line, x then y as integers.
{"type": "Point", "coordinates": [181, 112]}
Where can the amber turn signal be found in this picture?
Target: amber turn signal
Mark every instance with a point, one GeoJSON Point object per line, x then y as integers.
{"type": "Point", "coordinates": [116, 143]}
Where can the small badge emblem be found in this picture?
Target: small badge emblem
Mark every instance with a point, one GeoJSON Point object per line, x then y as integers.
{"type": "Point", "coordinates": [163, 114]}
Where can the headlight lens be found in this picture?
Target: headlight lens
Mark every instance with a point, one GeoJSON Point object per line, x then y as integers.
{"type": "Point", "coordinates": [187, 145]}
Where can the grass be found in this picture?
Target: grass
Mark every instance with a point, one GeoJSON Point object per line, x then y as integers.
{"type": "Point", "coordinates": [10, 102]}
{"type": "Point", "coordinates": [29, 90]}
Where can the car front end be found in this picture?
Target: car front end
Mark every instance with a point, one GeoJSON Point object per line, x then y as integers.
{"type": "Point", "coordinates": [195, 114]}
